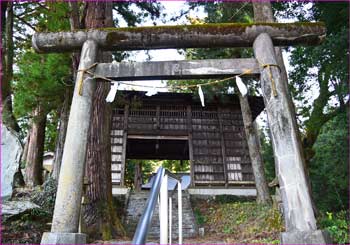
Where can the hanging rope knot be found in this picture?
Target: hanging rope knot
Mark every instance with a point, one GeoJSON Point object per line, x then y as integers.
{"type": "Point", "coordinates": [273, 84]}
{"type": "Point", "coordinates": [83, 71]}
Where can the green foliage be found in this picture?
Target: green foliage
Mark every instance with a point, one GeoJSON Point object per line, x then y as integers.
{"type": "Point", "coordinates": [40, 80]}
{"type": "Point", "coordinates": [176, 166]}
{"type": "Point", "coordinates": [222, 199]}
{"type": "Point", "coordinates": [337, 224]}
{"type": "Point", "coordinates": [200, 219]}
{"type": "Point", "coordinates": [323, 67]}
{"type": "Point", "coordinates": [268, 157]}
{"type": "Point", "coordinates": [148, 167]}
{"type": "Point", "coordinates": [329, 169]}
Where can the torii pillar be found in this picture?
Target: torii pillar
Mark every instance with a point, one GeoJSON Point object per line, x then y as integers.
{"type": "Point", "coordinates": [300, 220]}
{"type": "Point", "coordinates": [299, 216]}
{"type": "Point", "coordinates": [65, 222]}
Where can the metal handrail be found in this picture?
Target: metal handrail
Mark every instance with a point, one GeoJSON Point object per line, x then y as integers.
{"type": "Point", "coordinates": [157, 189]}
{"type": "Point", "coordinates": [141, 232]}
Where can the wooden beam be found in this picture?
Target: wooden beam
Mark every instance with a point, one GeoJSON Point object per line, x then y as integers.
{"type": "Point", "coordinates": [163, 132]}
{"type": "Point", "coordinates": [157, 137]}
{"type": "Point", "coordinates": [181, 36]}
{"type": "Point", "coordinates": [185, 69]}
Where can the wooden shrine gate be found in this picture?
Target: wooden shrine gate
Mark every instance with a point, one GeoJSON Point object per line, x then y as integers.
{"type": "Point", "coordinates": [175, 126]}
{"type": "Point", "coordinates": [298, 213]}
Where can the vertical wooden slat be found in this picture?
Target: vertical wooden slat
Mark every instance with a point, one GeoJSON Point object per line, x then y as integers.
{"type": "Point", "coordinates": [158, 116]}
{"type": "Point", "coordinates": [125, 138]}
{"type": "Point", "coordinates": [223, 148]}
{"type": "Point", "coordinates": [190, 143]}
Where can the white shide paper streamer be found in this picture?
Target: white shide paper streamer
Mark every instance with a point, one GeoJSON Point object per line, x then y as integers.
{"type": "Point", "coordinates": [112, 92]}
{"type": "Point", "coordinates": [241, 86]}
{"type": "Point", "coordinates": [201, 95]}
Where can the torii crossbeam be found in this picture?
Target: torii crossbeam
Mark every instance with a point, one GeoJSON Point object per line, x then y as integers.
{"type": "Point", "coordinates": [299, 216]}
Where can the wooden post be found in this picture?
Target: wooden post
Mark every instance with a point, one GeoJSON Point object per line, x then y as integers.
{"type": "Point", "coordinates": [190, 143]}
{"type": "Point", "coordinates": [70, 184]}
{"type": "Point", "coordinates": [125, 138]}
{"type": "Point", "coordinates": [263, 195]}
{"type": "Point", "coordinates": [297, 206]}
{"type": "Point", "coordinates": [223, 147]}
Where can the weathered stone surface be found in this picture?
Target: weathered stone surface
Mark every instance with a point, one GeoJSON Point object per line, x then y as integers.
{"type": "Point", "coordinates": [11, 150]}
{"type": "Point", "coordinates": [70, 184]}
{"type": "Point", "coordinates": [306, 237]}
{"type": "Point", "coordinates": [178, 69]}
{"type": "Point", "coordinates": [12, 208]}
{"type": "Point", "coordinates": [63, 238]}
{"type": "Point", "coordinates": [298, 212]}
{"type": "Point", "coordinates": [181, 36]}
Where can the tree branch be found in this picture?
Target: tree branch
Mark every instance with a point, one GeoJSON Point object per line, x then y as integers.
{"type": "Point", "coordinates": [25, 22]}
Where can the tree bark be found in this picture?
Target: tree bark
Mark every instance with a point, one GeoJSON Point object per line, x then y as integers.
{"type": "Point", "coordinates": [222, 35]}
{"type": "Point", "coordinates": [34, 159]}
{"type": "Point", "coordinates": [63, 123]}
{"type": "Point", "coordinates": [263, 195]}
{"type": "Point", "coordinates": [26, 146]}
{"type": "Point", "coordinates": [64, 115]}
{"type": "Point", "coordinates": [138, 177]}
{"type": "Point", "coordinates": [99, 213]}
{"type": "Point", "coordinates": [7, 71]}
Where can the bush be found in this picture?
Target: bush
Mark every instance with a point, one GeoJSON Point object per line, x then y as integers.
{"type": "Point", "coordinates": [337, 224]}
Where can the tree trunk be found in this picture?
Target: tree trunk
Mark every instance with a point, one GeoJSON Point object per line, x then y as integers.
{"type": "Point", "coordinates": [34, 159]}
{"type": "Point", "coordinates": [263, 195]}
{"type": "Point", "coordinates": [7, 71]}
{"type": "Point", "coordinates": [263, 13]}
{"type": "Point", "coordinates": [138, 177]}
{"type": "Point", "coordinates": [26, 146]}
{"type": "Point", "coordinates": [63, 123]}
{"type": "Point", "coordinates": [99, 213]}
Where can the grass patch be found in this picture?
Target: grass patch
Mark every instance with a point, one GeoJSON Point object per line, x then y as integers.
{"type": "Point", "coordinates": [239, 221]}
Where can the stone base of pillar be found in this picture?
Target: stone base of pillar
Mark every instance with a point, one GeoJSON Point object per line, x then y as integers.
{"type": "Point", "coordinates": [63, 238]}
{"type": "Point", "coordinates": [306, 237]}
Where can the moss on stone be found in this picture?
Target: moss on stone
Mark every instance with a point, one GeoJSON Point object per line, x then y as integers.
{"type": "Point", "coordinates": [205, 27]}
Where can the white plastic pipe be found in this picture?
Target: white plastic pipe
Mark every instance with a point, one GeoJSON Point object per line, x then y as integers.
{"type": "Point", "coordinates": [179, 197]}
{"type": "Point", "coordinates": [163, 211]}
{"type": "Point", "coordinates": [170, 218]}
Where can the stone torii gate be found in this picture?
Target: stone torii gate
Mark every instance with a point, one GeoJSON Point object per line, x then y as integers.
{"type": "Point", "coordinates": [299, 216]}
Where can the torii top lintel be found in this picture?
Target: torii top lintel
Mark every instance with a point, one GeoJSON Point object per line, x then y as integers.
{"type": "Point", "coordinates": [182, 36]}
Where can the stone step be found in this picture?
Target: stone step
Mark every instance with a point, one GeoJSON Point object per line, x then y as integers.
{"type": "Point", "coordinates": [136, 206]}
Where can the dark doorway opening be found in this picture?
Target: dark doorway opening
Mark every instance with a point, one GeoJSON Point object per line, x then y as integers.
{"type": "Point", "coordinates": [145, 154]}
{"type": "Point", "coordinates": [162, 149]}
